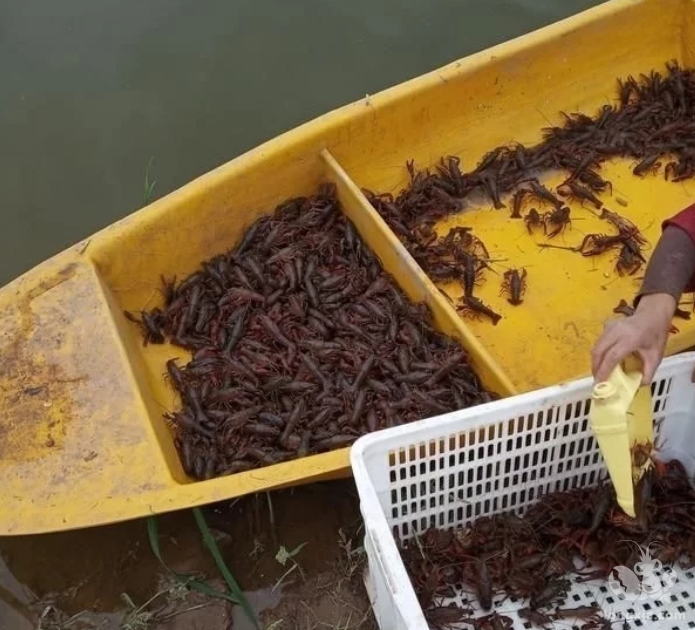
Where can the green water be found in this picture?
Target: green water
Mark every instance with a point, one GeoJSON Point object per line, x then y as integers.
{"type": "Point", "coordinates": [91, 90]}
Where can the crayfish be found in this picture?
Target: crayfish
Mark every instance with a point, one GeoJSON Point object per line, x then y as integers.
{"type": "Point", "coordinates": [533, 219]}
{"type": "Point", "coordinates": [558, 219]}
{"type": "Point", "coordinates": [515, 284]}
{"type": "Point", "coordinates": [473, 307]}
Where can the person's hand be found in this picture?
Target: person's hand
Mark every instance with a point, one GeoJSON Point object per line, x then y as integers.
{"type": "Point", "coordinates": [643, 333]}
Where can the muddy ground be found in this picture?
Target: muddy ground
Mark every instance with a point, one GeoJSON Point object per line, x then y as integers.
{"type": "Point", "coordinates": [108, 578]}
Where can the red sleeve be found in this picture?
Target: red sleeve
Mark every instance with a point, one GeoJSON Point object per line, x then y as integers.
{"type": "Point", "coordinates": [685, 220]}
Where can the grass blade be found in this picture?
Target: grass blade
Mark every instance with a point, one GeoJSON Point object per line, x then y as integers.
{"type": "Point", "coordinates": [211, 544]}
{"type": "Point", "coordinates": [149, 184]}
{"type": "Point", "coordinates": [187, 580]}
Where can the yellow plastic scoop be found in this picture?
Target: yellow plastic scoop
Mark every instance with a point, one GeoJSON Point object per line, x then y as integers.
{"type": "Point", "coordinates": [621, 418]}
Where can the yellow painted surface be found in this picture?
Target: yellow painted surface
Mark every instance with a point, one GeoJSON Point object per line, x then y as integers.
{"type": "Point", "coordinates": [82, 439]}
{"type": "Point", "coordinates": [569, 297]}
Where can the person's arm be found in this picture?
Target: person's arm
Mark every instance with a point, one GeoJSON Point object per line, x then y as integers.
{"type": "Point", "coordinates": [670, 272]}
{"type": "Point", "coordinates": [672, 265]}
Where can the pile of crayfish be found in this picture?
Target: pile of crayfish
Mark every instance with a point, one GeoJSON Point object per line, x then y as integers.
{"type": "Point", "coordinates": [581, 533]}
{"type": "Point", "coordinates": [301, 343]}
{"type": "Point", "coordinates": [651, 123]}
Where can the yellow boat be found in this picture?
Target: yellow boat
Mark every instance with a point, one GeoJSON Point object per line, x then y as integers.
{"type": "Point", "coordinates": [82, 437]}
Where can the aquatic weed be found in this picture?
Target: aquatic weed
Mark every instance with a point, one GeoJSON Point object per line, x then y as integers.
{"type": "Point", "coordinates": [189, 582]}
{"type": "Point", "coordinates": [149, 184]}
{"type": "Point", "coordinates": [211, 544]}
{"type": "Point", "coordinates": [282, 557]}
{"type": "Point", "coordinates": [138, 617]}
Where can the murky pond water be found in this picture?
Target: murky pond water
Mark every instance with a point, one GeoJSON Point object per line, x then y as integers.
{"type": "Point", "coordinates": [91, 91]}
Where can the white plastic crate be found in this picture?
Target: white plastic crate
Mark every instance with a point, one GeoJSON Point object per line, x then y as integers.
{"type": "Point", "coordinates": [451, 469]}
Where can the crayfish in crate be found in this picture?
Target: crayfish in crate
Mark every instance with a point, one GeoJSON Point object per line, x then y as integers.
{"type": "Point", "coordinates": [564, 539]}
